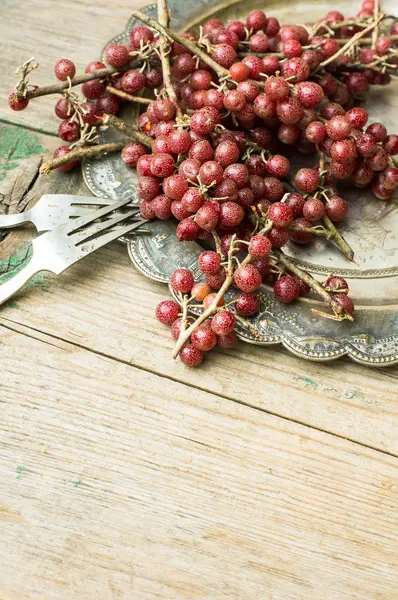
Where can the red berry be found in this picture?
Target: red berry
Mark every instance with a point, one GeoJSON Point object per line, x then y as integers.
{"type": "Point", "coordinates": [234, 100]}
{"type": "Point", "coordinates": [224, 55]}
{"type": "Point", "coordinates": [247, 278]}
{"type": "Point", "coordinates": [292, 48]}
{"type": "Point", "coordinates": [175, 187]}
{"type": "Point", "coordinates": [357, 117]}
{"type": "Point", "coordinates": [258, 43]}
{"type": "Point", "coordinates": [203, 121]}
{"type": "Point", "coordinates": [227, 341]}
{"type": "Point", "coordinates": [296, 203]}
{"type": "Point", "coordinates": [378, 131]}
{"type": "Point", "coordinates": [140, 36]}
{"type": "Point", "coordinates": [93, 89]}
{"type": "Point", "coordinates": [201, 151]}
{"type": "Point", "coordinates": [379, 160]}
{"type": "Point", "coordinates": [180, 212]}
{"type": "Point", "coordinates": [336, 208]}
{"type": "Point", "coordinates": [208, 301]}
{"type": "Point", "coordinates": [146, 210]}
{"type": "Point", "coordinates": [162, 206]}
{"type": "Point", "coordinates": [17, 103]}
{"type": "Point", "coordinates": [247, 304]}
{"type": "Point", "coordinates": [179, 141]}
{"type": "Point", "coordinates": [260, 246]}
{"type": "Point", "coordinates": [274, 189]}
{"type": "Point", "coordinates": [116, 55]}
{"type": "Point", "coordinates": [223, 322]}
{"type": "Point", "coordinates": [187, 230]}
{"type": "Point", "coordinates": [167, 312]}
{"type": "Point", "coordinates": [335, 283]}
{"type": "Point", "coordinates": [256, 20]}
{"type": "Point", "coordinates": [203, 338]}
{"type": "Point", "coordinates": [286, 289]}
{"type": "Point", "coordinates": [245, 197]}
{"type": "Point", "coordinates": [278, 166]}
{"type": "Point", "coordinates": [200, 291]}
{"type": "Point", "coordinates": [249, 89]}
{"type": "Point", "coordinates": [227, 153]}
{"type": "Point", "coordinates": [217, 280]}
{"type": "Point", "coordinates": [343, 151]}
{"type": "Point", "coordinates": [207, 216]}
{"type": "Point", "coordinates": [192, 200]}
{"type": "Point", "coordinates": [309, 93]}
{"type": "Point", "coordinates": [289, 111]}
{"type": "Point", "coordinates": [390, 144]}
{"type": "Point", "coordinates": [132, 152]}
{"type": "Point", "coordinates": [276, 88]}
{"type": "Point", "coordinates": [189, 169]}
{"type": "Point", "coordinates": [304, 287]}
{"type": "Point", "coordinates": [264, 106]}
{"type": "Point", "coordinates": [296, 69]}
{"type": "Point", "coordinates": [313, 209]}
{"type": "Point", "coordinates": [209, 262]}
{"type": "Point", "coordinates": [64, 68]}
{"type": "Point", "coordinates": [69, 131]}
{"type": "Point", "coordinates": [182, 280]}
{"type": "Point", "coordinates": [211, 172]}
{"type": "Point", "coordinates": [231, 214]}
{"type": "Point", "coordinates": [307, 180]}
{"type": "Point", "coordinates": [280, 214]}
{"type": "Point", "coordinates": [338, 128]}
{"type": "Point", "coordinates": [316, 132]}
{"type": "Point", "coordinates": [133, 81]}
{"type": "Point", "coordinates": [148, 188]}
{"type": "Point", "coordinates": [239, 71]}
{"type": "Point", "coordinates": [238, 173]}
{"type": "Point", "coordinates": [299, 237]}
{"type": "Point", "coordinates": [162, 165]}
{"type": "Point", "coordinates": [190, 356]}
{"type": "Point", "coordinates": [346, 302]}
{"type": "Point", "coordinates": [61, 151]}
{"type": "Point", "coordinates": [95, 65]}
{"type": "Point", "coordinates": [226, 190]}
{"type": "Point", "coordinates": [278, 236]}
{"type": "Point", "coordinates": [366, 144]}
{"type": "Point", "coordinates": [63, 109]}
{"type": "Point", "coordinates": [288, 134]}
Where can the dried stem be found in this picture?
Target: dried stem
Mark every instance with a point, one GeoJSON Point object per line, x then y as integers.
{"type": "Point", "coordinates": [79, 154]}
{"type": "Point", "coordinates": [128, 97]}
{"type": "Point", "coordinates": [188, 44]}
{"type": "Point", "coordinates": [217, 243]}
{"type": "Point", "coordinates": [127, 130]}
{"type": "Point", "coordinates": [164, 51]}
{"type": "Point", "coordinates": [58, 88]}
{"type": "Point", "coordinates": [319, 231]}
{"type": "Point", "coordinates": [351, 42]}
{"type": "Point", "coordinates": [375, 33]}
{"type": "Point", "coordinates": [213, 307]}
{"type": "Point", "coordinates": [336, 307]}
{"type": "Point", "coordinates": [337, 238]}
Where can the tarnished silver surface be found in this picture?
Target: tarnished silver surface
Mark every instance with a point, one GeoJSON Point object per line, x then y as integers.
{"type": "Point", "coordinates": [371, 229]}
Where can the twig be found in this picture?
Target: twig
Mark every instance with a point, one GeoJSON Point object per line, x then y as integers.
{"type": "Point", "coordinates": [214, 305]}
{"type": "Point", "coordinates": [79, 154]}
{"type": "Point", "coordinates": [164, 51]}
{"type": "Point", "coordinates": [319, 231]}
{"type": "Point", "coordinates": [335, 305]}
{"type": "Point", "coordinates": [337, 238]}
{"type": "Point", "coordinates": [58, 88]}
{"type": "Point", "coordinates": [191, 46]}
{"type": "Point", "coordinates": [126, 129]}
{"type": "Point", "coordinates": [217, 243]}
{"type": "Point", "coordinates": [375, 33]}
{"type": "Point", "coordinates": [367, 41]}
{"type": "Point", "coordinates": [351, 42]}
{"type": "Point", "coordinates": [126, 96]}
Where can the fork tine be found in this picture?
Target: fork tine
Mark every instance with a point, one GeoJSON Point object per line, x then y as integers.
{"type": "Point", "coordinates": [80, 236]}
{"type": "Point", "coordinates": [102, 212]}
{"type": "Point", "coordinates": [105, 238]}
{"type": "Point", "coordinates": [69, 199]}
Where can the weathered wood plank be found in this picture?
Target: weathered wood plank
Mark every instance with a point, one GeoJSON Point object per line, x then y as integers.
{"type": "Point", "coordinates": [104, 304]}
{"type": "Point", "coordinates": [70, 29]}
{"type": "Point", "coordinates": [115, 485]}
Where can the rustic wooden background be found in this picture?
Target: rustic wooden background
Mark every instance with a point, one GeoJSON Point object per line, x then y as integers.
{"type": "Point", "coordinates": [126, 475]}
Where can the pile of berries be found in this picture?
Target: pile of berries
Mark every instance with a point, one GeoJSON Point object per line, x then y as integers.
{"type": "Point", "coordinates": [212, 149]}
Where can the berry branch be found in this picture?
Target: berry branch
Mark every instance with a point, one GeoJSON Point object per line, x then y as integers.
{"type": "Point", "coordinates": [125, 96]}
{"type": "Point", "coordinates": [80, 154]}
{"type": "Point", "coordinates": [128, 130]}
{"type": "Point", "coordinates": [191, 46]}
{"type": "Point", "coordinates": [164, 50]}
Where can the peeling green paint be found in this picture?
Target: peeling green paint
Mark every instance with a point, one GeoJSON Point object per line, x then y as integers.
{"type": "Point", "coordinates": [16, 144]}
{"type": "Point", "coordinates": [16, 262]}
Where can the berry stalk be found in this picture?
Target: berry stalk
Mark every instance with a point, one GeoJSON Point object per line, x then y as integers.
{"type": "Point", "coordinates": [80, 154]}
{"type": "Point", "coordinates": [339, 312]}
{"type": "Point", "coordinates": [214, 305]}
{"type": "Point", "coordinates": [191, 46]}
{"type": "Point", "coordinates": [127, 130]}
{"type": "Point", "coordinates": [128, 97]}
{"type": "Point", "coordinates": [58, 88]}
{"type": "Point", "coordinates": [164, 51]}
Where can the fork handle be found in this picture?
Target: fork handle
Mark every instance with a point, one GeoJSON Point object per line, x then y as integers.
{"type": "Point", "coordinates": [7, 221]}
{"type": "Point", "coordinates": [11, 286]}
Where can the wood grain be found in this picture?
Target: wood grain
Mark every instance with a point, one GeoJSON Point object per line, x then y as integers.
{"type": "Point", "coordinates": [115, 485]}
{"type": "Point", "coordinates": [102, 303]}
{"type": "Point", "coordinates": [50, 31]}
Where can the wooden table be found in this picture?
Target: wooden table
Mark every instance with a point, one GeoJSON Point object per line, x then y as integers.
{"type": "Point", "coordinates": [126, 475]}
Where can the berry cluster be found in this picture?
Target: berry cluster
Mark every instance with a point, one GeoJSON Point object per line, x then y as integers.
{"type": "Point", "coordinates": [210, 148]}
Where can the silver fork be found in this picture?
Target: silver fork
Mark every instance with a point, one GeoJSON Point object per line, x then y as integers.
{"type": "Point", "coordinates": [53, 210]}
{"type": "Point", "coordinates": [61, 247]}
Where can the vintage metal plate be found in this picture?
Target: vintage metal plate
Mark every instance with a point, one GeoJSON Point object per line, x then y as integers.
{"type": "Point", "coordinates": [371, 229]}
